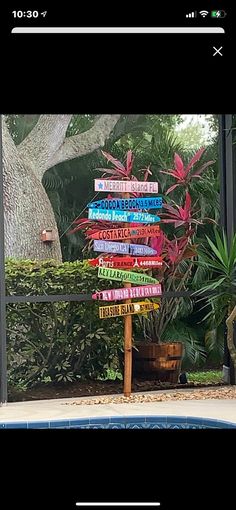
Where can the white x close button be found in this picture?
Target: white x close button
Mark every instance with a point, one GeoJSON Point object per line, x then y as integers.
{"type": "Point", "coordinates": [217, 51]}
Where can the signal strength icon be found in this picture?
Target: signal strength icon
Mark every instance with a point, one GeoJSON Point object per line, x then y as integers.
{"type": "Point", "coordinates": [204, 13]}
{"type": "Point", "coordinates": [192, 14]}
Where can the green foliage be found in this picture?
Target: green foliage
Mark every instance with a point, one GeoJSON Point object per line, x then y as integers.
{"type": "Point", "coordinates": [61, 341]}
{"type": "Point", "coordinates": [207, 377]}
{"type": "Point", "coordinates": [219, 261]}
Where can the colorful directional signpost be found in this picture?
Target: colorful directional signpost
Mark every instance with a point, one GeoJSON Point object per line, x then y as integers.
{"type": "Point", "coordinates": [122, 216]}
{"type": "Point", "coordinates": [126, 209]}
{"type": "Point", "coordinates": [145, 291]}
{"type": "Point", "coordinates": [124, 276]}
{"type": "Point", "coordinates": [121, 204]}
{"type": "Point", "coordinates": [123, 248]}
{"type": "Point", "coordinates": [114, 186]}
{"type": "Point", "coordinates": [116, 234]}
{"type": "Point", "coordinates": [106, 312]}
{"type": "Point", "coordinates": [126, 262]}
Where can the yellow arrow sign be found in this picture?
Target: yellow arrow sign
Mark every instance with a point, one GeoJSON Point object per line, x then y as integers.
{"type": "Point", "coordinates": [105, 312]}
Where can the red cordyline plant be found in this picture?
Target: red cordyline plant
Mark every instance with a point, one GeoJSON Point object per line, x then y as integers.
{"type": "Point", "coordinates": [118, 172]}
{"type": "Point", "coordinates": [183, 175]}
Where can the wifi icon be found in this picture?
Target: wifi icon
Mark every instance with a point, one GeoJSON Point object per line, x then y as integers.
{"type": "Point", "coordinates": [204, 13]}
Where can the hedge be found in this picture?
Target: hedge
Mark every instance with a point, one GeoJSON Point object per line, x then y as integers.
{"type": "Point", "coordinates": [62, 341]}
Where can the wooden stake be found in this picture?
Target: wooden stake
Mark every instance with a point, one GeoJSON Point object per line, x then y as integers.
{"type": "Point", "coordinates": [127, 337]}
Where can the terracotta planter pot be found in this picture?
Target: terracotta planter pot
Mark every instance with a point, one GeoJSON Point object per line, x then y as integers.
{"type": "Point", "coordinates": [159, 361]}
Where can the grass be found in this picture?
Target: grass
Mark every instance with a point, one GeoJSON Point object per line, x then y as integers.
{"type": "Point", "coordinates": [207, 377]}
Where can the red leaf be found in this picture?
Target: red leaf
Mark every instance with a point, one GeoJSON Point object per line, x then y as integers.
{"type": "Point", "coordinates": [172, 188]}
{"type": "Point", "coordinates": [173, 173]}
{"type": "Point", "coordinates": [200, 170]}
{"type": "Point", "coordinates": [179, 166]}
{"type": "Point", "coordinates": [111, 171]}
{"type": "Point", "coordinates": [129, 162]}
{"type": "Point", "coordinates": [115, 161]}
{"type": "Point", "coordinates": [194, 160]}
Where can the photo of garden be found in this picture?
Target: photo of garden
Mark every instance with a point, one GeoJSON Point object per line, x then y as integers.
{"type": "Point", "coordinates": [119, 258]}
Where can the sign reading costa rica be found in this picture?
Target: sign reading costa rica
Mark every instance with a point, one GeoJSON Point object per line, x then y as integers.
{"type": "Point", "coordinates": [123, 204]}
{"type": "Point", "coordinates": [123, 248]}
{"type": "Point", "coordinates": [126, 233]}
{"type": "Point", "coordinates": [123, 216]}
{"type": "Point", "coordinates": [126, 262]}
{"type": "Point", "coordinates": [105, 312]}
{"type": "Point", "coordinates": [126, 186]}
{"type": "Point", "coordinates": [144, 291]}
{"type": "Point", "coordinates": [124, 276]}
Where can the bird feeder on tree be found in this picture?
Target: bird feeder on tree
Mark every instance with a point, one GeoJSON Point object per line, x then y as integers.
{"type": "Point", "coordinates": [48, 235]}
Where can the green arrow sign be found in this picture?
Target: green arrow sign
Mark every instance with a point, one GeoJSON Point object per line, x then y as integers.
{"type": "Point", "coordinates": [125, 276]}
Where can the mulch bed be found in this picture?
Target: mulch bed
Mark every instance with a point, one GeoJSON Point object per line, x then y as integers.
{"type": "Point", "coordinates": [92, 388]}
{"type": "Point", "coordinates": [220, 393]}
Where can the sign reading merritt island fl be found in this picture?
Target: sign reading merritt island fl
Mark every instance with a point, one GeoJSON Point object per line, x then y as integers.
{"type": "Point", "coordinates": [133, 292]}
{"type": "Point", "coordinates": [123, 216]}
{"type": "Point", "coordinates": [126, 262]}
{"type": "Point", "coordinates": [124, 276]}
{"type": "Point", "coordinates": [126, 186]}
{"type": "Point", "coordinates": [105, 312]}
{"type": "Point", "coordinates": [117, 234]}
{"type": "Point", "coordinates": [126, 204]}
{"type": "Point", "coordinates": [123, 248]}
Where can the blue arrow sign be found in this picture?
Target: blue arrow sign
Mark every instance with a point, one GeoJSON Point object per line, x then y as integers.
{"type": "Point", "coordinates": [123, 204]}
{"type": "Point", "coordinates": [123, 248]}
{"type": "Point", "coordinates": [123, 216]}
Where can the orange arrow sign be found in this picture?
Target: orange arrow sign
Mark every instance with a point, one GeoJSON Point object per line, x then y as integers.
{"type": "Point", "coordinates": [105, 312]}
{"type": "Point", "coordinates": [117, 234]}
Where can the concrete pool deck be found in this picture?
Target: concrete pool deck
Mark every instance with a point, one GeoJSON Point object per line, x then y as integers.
{"type": "Point", "coordinates": [39, 410]}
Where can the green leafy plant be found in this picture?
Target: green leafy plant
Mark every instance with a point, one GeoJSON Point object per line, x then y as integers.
{"type": "Point", "coordinates": [62, 341]}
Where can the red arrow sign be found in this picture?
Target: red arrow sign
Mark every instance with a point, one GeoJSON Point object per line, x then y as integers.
{"type": "Point", "coordinates": [127, 262]}
{"type": "Point", "coordinates": [116, 234]}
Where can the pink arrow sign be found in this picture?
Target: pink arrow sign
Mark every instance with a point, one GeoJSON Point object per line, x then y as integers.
{"type": "Point", "coordinates": [129, 293]}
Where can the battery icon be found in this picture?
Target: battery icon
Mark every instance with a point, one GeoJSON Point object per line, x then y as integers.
{"type": "Point", "coordinates": [218, 14]}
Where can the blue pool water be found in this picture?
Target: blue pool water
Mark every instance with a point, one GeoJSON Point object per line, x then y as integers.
{"type": "Point", "coordinates": [124, 422]}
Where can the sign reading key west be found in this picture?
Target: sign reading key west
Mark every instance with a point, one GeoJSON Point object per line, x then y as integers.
{"type": "Point", "coordinates": [126, 186]}
{"type": "Point", "coordinates": [126, 249]}
{"type": "Point", "coordinates": [144, 291]}
{"type": "Point", "coordinates": [126, 309]}
{"type": "Point", "coordinates": [125, 204]}
{"type": "Point", "coordinates": [123, 216]}
{"type": "Point", "coordinates": [124, 276]}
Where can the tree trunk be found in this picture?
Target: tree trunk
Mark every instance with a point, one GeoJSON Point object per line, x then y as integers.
{"type": "Point", "coordinates": [230, 338]}
{"type": "Point", "coordinates": [27, 209]}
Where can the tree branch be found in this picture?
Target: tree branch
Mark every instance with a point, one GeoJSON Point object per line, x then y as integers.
{"type": "Point", "coordinates": [38, 148]}
{"type": "Point", "coordinates": [86, 142]}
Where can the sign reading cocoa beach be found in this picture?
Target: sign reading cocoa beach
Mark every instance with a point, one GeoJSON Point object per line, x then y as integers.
{"type": "Point", "coordinates": [106, 312]}
{"type": "Point", "coordinates": [125, 233]}
{"type": "Point", "coordinates": [125, 204]}
{"type": "Point", "coordinates": [126, 186]}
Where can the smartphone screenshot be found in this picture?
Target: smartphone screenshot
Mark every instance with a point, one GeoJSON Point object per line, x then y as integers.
{"type": "Point", "coordinates": [117, 255]}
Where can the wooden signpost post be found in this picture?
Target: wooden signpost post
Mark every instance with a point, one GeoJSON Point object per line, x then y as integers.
{"type": "Point", "coordinates": [126, 210]}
